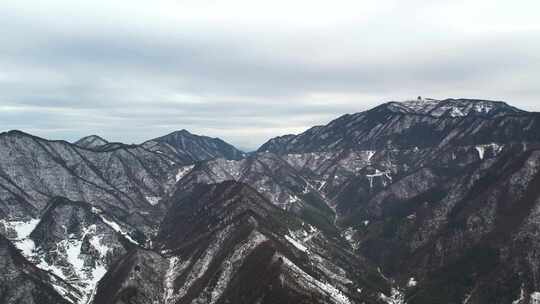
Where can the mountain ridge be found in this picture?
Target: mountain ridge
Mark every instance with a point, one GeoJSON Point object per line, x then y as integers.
{"type": "Point", "coordinates": [384, 126]}
{"type": "Point", "coordinates": [382, 206]}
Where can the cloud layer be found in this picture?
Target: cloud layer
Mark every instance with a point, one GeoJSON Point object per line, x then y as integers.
{"type": "Point", "coordinates": [247, 70]}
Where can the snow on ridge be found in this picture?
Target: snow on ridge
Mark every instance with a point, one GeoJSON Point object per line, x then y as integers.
{"type": "Point", "coordinates": [182, 171]}
{"type": "Point", "coordinates": [457, 112]}
{"type": "Point", "coordinates": [336, 295]}
{"type": "Point", "coordinates": [115, 226]}
{"type": "Point", "coordinates": [296, 243]}
{"type": "Point", "coordinates": [300, 237]}
{"type": "Point", "coordinates": [82, 277]}
{"type": "Point", "coordinates": [200, 267]}
{"type": "Point", "coordinates": [482, 149]}
{"type": "Point", "coordinates": [483, 107]}
{"type": "Point", "coordinates": [421, 105]}
{"type": "Point", "coordinates": [396, 297]}
{"type": "Point", "coordinates": [369, 155]}
{"type": "Point", "coordinates": [153, 200]}
{"type": "Point", "coordinates": [170, 276]}
{"type": "Point", "coordinates": [235, 261]}
{"type": "Point", "coordinates": [22, 230]}
{"type": "Point", "coordinates": [378, 173]}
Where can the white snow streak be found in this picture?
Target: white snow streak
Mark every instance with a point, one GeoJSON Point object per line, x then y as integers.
{"type": "Point", "coordinates": [335, 294]}
{"type": "Point", "coordinates": [182, 171]}
{"type": "Point", "coordinates": [481, 151]}
{"type": "Point", "coordinates": [238, 256]}
{"type": "Point", "coordinates": [296, 243]}
{"type": "Point", "coordinates": [115, 226]}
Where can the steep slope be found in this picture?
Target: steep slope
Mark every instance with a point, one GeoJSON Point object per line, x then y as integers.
{"type": "Point", "coordinates": [185, 147]}
{"type": "Point", "coordinates": [75, 209]}
{"type": "Point", "coordinates": [454, 232]}
{"type": "Point", "coordinates": [271, 176]}
{"type": "Point", "coordinates": [424, 123]}
{"type": "Point", "coordinates": [73, 242]}
{"type": "Point", "coordinates": [424, 201]}
{"type": "Point", "coordinates": [442, 195]}
{"type": "Point", "coordinates": [22, 282]}
{"type": "Point", "coordinates": [218, 239]}
{"type": "Point", "coordinates": [126, 182]}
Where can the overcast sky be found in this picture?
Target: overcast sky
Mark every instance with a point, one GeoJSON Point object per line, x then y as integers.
{"type": "Point", "coordinates": [245, 71]}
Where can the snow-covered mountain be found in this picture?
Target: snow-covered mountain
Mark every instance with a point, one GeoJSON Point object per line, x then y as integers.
{"type": "Point", "coordinates": [419, 123]}
{"type": "Point", "coordinates": [423, 201]}
{"type": "Point", "coordinates": [186, 147]}
{"type": "Point", "coordinates": [91, 142]}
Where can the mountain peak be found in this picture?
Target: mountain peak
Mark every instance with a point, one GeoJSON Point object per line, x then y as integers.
{"type": "Point", "coordinates": [187, 147]}
{"type": "Point", "coordinates": [91, 142]}
{"type": "Point", "coordinates": [424, 122]}
{"type": "Point", "coordinates": [182, 132]}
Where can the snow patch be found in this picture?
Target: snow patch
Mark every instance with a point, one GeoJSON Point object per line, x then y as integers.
{"type": "Point", "coordinates": [535, 297]}
{"type": "Point", "coordinates": [481, 151]}
{"type": "Point", "coordinates": [153, 200]}
{"type": "Point", "coordinates": [182, 171]}
{"type": "Point", "coordinates": [483, 108]}
{"type": "Point", "coordinates": [115, 226]}
{"type": "Point", "coordinates": [378, 173]}
{"type": "Point", "coordinates": [496, 148]}
{"type": "Point", "coordinates": [369, 155]}
{"type": "Point", "coordinates": [82, 277]}
{"type": "Point", "coordinates": [421, 105]}
{"type": "Point", "coordinates": [22, 230]}
{"type": "Point", "coordinates": [412, 282]}
{"type": "Point", "coordinates": [457, 112]}
{"type": "Point", "coordinates": [293, 199]}
{"type": "Point", "coordinates": [396, 297]}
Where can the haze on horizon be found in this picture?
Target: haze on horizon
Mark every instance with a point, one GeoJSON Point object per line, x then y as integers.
{"type": "Point", "coordinates": [246, 71]}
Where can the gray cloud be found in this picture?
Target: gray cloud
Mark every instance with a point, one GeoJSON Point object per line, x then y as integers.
{"type": "Point", "coordinates": [131, 71]}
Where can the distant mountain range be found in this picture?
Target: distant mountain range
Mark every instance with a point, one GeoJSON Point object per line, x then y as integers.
{"type": "Point", "coordinates": [422, 201]}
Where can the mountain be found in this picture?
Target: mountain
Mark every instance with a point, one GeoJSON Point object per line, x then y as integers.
{"type": "Point", "coordinates": [72, 210]}
{"type": "Point", "coordinates": [271, 176]}
{"type": "Point", "coordinates": [442, 195]}
{"type": "Point", "coordinates": [215, 242]}
{"type": "Point", "coordinates": [91, 142]}
{"type": "Point", "coordinates": [182, 146]}
{"type": "Point", "coordinates": [417, 202]}
{"type": "Point", "coordinates": [23, 282]}
{"type": "Point", "coordinates": [419, 123]}
{"type": "Point", "coordinates": [126, 182]}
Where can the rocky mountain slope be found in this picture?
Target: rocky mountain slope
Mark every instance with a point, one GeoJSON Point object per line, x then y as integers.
{"type": "Point", "coordinates": [423, 201]}
{"type": "Point", "coordinates": [225, 243]}
{"type": "Point", "coordinates": [442, 195]}
{"type": "Point", "coordinates": [419, 123]}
